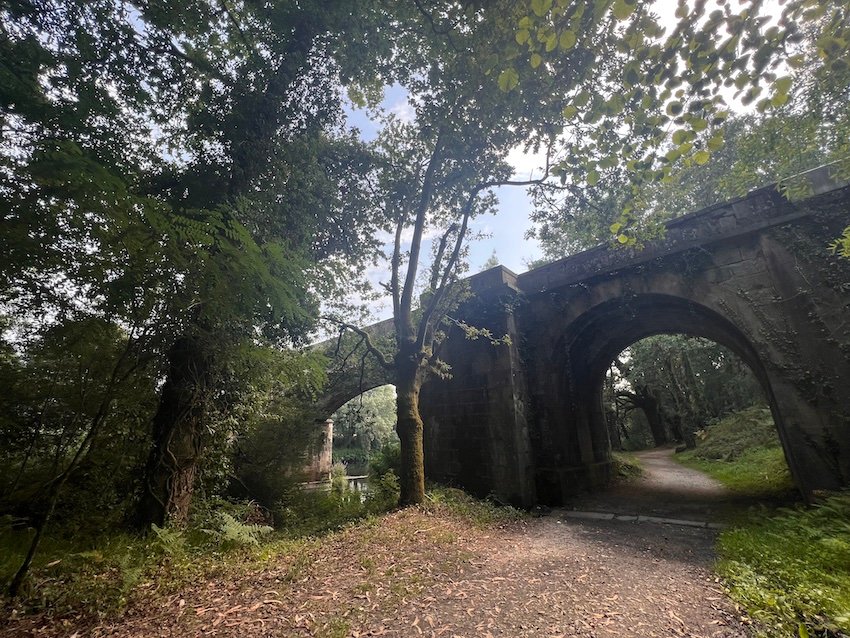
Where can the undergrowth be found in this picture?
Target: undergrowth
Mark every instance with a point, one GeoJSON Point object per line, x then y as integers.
{"type": "Point", "coordinates": [791, 570]}
{"type": "Point", "coordinates": [483, 513]}
{"type": "Point", "coordinates": [97, 576]}
{"type": "Point", "coordinates": [626, 466]}
{"type": "Point", "coordinates": [743, 452]}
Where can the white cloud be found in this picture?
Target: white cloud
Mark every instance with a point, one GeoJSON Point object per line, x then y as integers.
{"type": "Point", "coordinates": [526, 165]}
{"type": "Point", "coordinates": [404, 111]}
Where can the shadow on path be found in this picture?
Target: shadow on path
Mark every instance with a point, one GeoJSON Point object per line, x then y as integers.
{"type": "Point", "coordinates": [666, 489]}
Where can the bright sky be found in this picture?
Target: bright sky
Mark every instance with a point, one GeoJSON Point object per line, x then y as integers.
{"type": "Point", "coordinates": [506, 228]}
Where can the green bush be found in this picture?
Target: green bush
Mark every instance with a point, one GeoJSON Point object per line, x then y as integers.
{"type": "Point", "coordinates": [306, 512]}
{"type": "Point", "coordinates": [791, 571]}
{"type": "Point", "coordinates": [734, 435]}
{"type": "Point", "coordinates": [626, 466]}
{"type": "Point", "coordinates": [383, 492]}
{"type": "Point", "coordinates": [388, 459]}
{"type": "Point", "coordinates": [481, 512]}
{"type": "Point", "coordinates": [743, 452]}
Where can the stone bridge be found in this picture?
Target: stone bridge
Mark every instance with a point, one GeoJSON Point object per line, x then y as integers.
{"type": "Point", "coordinates": [525, 422]}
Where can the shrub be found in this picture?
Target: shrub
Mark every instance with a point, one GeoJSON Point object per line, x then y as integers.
{"type": "Point", "coordinates": [480, 512]}
{"type": "Point", "coordinates": [388, 459]}
{"type": "Point", "coordinates": [791, 571]}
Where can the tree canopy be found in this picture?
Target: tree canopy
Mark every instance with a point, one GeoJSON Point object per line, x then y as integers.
{"type": "Point", "coordinates": [693, 151]}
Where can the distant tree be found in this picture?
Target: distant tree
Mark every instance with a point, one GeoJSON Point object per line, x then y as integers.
{"type": "Point", "coordinates": [492, 261]}
{"type": "Point", "coordinates": [682, 384]}
{"type": "Point", "coordinates": [366, 422]}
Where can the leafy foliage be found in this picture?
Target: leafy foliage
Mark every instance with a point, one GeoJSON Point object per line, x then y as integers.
{"type": "Point", "coordinates": [681, 384]}
{"type": "Point", "coordinates": [365, 425]}
{"type": "Point", "coordinates": [743, 451]}
{"type": "Point", "coordinates": [789, 570]}
{"type": "Point", "coordinates": [658, 103]}
{"type": "Point", "coordinates": [303, 512]}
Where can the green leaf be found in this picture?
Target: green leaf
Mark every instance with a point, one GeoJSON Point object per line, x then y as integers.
{"type": "Point", "coordinates": [699, 124]}
{"type": "Point", "coordinates": [593, 178]}
{"type": "Point", "coordinates": [778, 100]}
{"type": "Point", "coordinates": [570, 111]}
{"type": "Point", "coordinates": [674, 108]}
{"type": "Point", "coordinates": [536, 60]}
{"type": "Point", "coordinates": [716, 142]}
{"type": "Point", "coordinates": [623, 9]}
{"type": "Point", "coordinates": [541, 7]}
{"type": "Point", "coordinates": [702, 157]}
{"type": "Point", "coordinates": [615, 227]}
{"type": "Point", "coordinates": [508, 79]}
{"type": "Point", "coordinates": [567, 40]}
{"type": "Point", "coordinates": [522, 36]}
{"type": "Point", "coordinates": [783, 84]}
{"type": "Point", "coordinates": [623, 239]}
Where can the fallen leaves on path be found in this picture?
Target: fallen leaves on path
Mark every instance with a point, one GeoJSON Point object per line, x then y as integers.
{"type": "Point", "coordinates": [433, 574]}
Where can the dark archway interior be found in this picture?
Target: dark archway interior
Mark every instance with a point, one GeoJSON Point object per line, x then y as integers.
{"type": "Point", "coordinates": [595, 339]}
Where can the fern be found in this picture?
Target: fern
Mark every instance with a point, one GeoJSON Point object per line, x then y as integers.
{"type": "Point", "coordinates": [233, 533]}
{"type": "Point", "coordinates": [169, 541]}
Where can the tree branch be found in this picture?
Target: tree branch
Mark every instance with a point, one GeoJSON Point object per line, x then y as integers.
{"type": "Point", "coordinates": [426, 323]}
{"type": "Point", "coordinates": [382, 359]}
{"type": "Point", "coordinates": [438, 259]}
{"type": "Point", "coordinates": [403, 325]}
{"type": "Point", "coordinates": [396, 262]}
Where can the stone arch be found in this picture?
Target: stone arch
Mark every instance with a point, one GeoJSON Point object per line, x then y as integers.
{"type": "Point", "coordinates": [592, 340]}
{"type": "Point", "coordinates": [346, 389]}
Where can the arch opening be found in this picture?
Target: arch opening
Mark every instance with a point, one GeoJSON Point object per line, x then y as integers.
{"type": "Point", "coordinates": [364, 428]}
{"type": "Point", "coordinates": [590, 345]}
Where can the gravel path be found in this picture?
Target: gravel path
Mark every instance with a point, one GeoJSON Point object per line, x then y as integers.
{"type": "Point", "coordinates": [666, 489]}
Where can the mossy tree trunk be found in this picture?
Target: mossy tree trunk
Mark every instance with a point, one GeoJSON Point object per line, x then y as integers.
{"type": "Point", "coordinates": [409, 426]}
{"type": "Point", "coordinates": [178, 427]}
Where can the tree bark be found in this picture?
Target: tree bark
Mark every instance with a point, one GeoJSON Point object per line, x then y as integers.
{"type": "Point", "coordinates": [409, 426]}
{"type": "Point", "coordinates": [650, 407]}
{"type": "Point", "coordinates": [177, 437]}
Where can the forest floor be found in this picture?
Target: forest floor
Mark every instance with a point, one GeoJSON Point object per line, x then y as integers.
{"type": "Point", "coordinates": [435, 572]}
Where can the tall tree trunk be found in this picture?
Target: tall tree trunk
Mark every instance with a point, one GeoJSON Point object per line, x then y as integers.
{"type": "Point", "coordinates": [653, 415]}
{"type": "Point", "coordinates": [686, 387]}
{"type": "Point", "coordinates": [410, 429]}
{"type": "Point", "coordinates": [177, 437]}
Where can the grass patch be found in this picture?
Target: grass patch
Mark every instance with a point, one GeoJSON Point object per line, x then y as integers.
{"type": "Point", "coordinates": [482, 513]}
{"type": "Point", "coordinates": [743, 452]}
{"type": "Point", "coordinates": [760, 472]}
{"type": "Point", "coordinates": [98, 577]}
{"type": "Point", "coordinates": [791, 570]}
{"type": "Point", "coordinates": [627, 467]}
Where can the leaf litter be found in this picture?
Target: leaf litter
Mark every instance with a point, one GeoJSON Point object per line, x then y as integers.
{"type": "Point", "coordinates": [432, 573]}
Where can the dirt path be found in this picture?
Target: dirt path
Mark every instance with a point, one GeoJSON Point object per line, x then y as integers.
{"type": "Point", "coordinates": [436, 574]}
{"type": "Point", "coordinates": [666, 489]}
